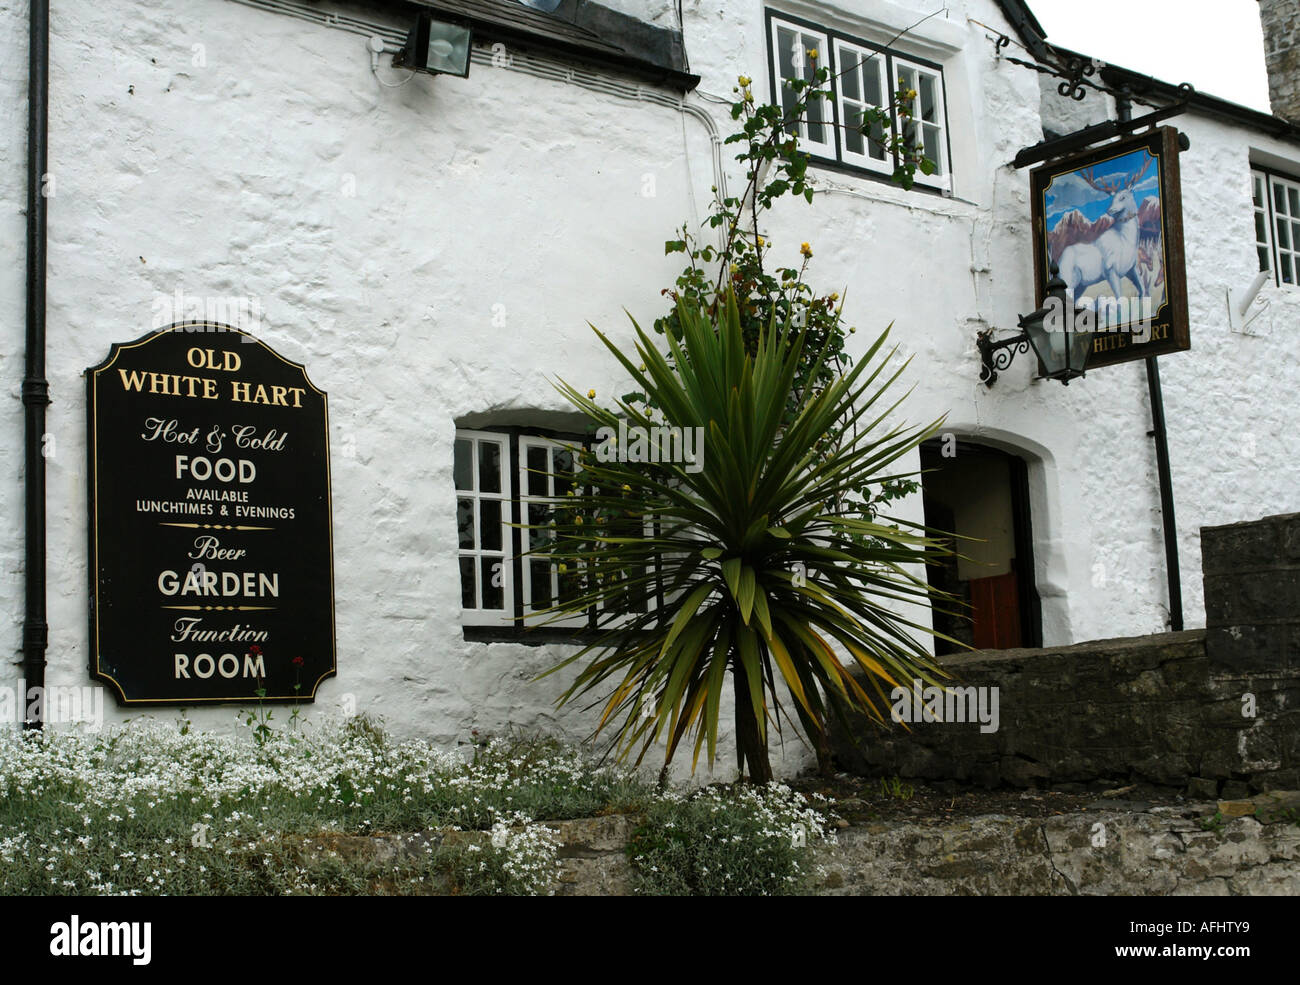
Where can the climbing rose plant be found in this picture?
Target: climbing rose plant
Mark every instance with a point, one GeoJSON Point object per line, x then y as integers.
{"type": "Point", "coordinates": [764, 558]}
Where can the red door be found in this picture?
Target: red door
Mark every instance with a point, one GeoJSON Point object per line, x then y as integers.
{"type": "Point", "coordinates": [996, 612]}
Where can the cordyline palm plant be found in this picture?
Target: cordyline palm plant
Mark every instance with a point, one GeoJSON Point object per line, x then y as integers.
{"type": "Point", "coordinates": [737, 563]}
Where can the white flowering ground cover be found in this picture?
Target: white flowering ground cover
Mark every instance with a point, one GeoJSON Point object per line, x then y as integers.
{"type": "Point", "coordinates": [727, 841]}
{"type": "Point", "coordinates": [161, 808]}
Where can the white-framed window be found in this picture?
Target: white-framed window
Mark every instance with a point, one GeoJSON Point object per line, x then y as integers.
{"type": "Point", "coordinates": [797, 52]}
{"type": "Point", "coordinates": [1276, 202]}
{"type": "Point", "coordinates": [643, 597]}
{"type": "Point", "coordinates": [862, 76]}
{"type": "Point", "coordinates": [1259, 199]}
{"type": "Point", "coordinates": [924, 124]}
{"type": "Point", "coordinates": [507, 484]}
{"type": "Point", "coordinates": [481, 471]}
{"type": "Point", "coordinates": [543, 465]}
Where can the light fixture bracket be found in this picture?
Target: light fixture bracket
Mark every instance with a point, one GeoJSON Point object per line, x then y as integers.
{"type": "Point", "coordinates": [1062, 360]}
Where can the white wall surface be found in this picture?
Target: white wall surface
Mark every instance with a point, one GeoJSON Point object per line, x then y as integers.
{"type": "Point", "coordinates": [380, 228]}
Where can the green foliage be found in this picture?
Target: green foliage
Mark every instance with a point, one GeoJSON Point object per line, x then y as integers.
{"type": "Point", "coordinates": [775, 552]}
{"type": "Point", "coordinates": [766, 293]}
{"type": "Point", "coordinates": [1277, 815]}
{"type": "Point", "coordinates": [160, 808]}
{"type": "Point", "coordinates": [1215, 823]}
{"type": "Point", "coordinates": [258, 719]}
{"type": "Point", "coordinates": [760, 572]}
{"type": "Point", "coordinates": [894, 787]}
{"type": "Point", "coordinates": [157, 808]}
{"type": "Point", "coordinates": [518, 860]}
{"type": "Point", "coordinates": [738, 841]}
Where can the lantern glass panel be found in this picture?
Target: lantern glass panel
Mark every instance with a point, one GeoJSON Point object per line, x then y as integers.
{"type": "Point", "coordinates": [1049, 343]}
{"type": "Point", "coordinates": [1061, 347]}
{"type": "Point", "coordinates": [1080, 346]}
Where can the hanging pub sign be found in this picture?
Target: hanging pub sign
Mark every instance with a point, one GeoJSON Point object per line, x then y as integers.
{"type": "Point", "coordinates": [211, 550]}
{"type": "Point", "coordinates": [1111, 219]}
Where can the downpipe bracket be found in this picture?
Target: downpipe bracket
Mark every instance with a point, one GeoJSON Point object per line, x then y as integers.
{"type": "Point", "coordinates": [36, 392]}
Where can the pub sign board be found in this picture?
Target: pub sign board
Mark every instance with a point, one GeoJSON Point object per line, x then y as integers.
{"type": "Point", "coordinates": [211, 544]}
{"type": "Point", "coordinates": [1111, 218]}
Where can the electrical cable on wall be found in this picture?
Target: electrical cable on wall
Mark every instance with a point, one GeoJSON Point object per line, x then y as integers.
{"type": "Point", "coordinates": [377, 46]}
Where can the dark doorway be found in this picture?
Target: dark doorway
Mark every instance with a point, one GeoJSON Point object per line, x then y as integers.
{"type": "Point", "coordinates": [981, 494]}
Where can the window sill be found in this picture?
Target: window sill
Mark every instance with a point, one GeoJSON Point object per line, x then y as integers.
{"type": "Point", "coordinates": [828, 164]}
{"type": "Point", "coordinates": [540, 636]}
{"type": "Point", "coordinates": [537, 636]}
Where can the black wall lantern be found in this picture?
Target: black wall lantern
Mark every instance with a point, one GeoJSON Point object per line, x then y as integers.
{"type": "Point", "coordinates": [1060, 335]}
{"type": "Point", "coordinates": [437, 47]}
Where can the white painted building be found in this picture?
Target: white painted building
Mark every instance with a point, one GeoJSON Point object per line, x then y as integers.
{"type": "Point", "coordinates": [431, 249]}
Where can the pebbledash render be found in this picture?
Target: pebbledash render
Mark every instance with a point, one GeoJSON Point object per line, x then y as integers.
{"type": "Point", "coordinates": [431, 250]}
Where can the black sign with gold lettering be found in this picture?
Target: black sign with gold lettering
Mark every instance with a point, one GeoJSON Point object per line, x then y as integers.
{"type": "Point", "coordinates": [1111, 220]}
{"type": "Point", "coordinates": [211, 550]}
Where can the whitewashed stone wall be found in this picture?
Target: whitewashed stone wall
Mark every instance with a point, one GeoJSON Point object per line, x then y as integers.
{"type": "Point", "coordinates": [384, 229]}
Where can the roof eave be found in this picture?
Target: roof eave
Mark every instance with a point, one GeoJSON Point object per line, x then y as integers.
{"type": "Point", "coordinates": [1118, 77]}
{"type": "Point", "coordinates": [1026, 26]}
{"type": "Point", "coordinates": [603, 56]}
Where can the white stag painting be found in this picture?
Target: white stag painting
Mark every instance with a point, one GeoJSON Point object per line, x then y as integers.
{"type": "Point", "coordinates": [1104, 231]}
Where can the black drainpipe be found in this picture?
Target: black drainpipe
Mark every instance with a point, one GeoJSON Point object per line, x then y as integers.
{"type": "Point", "coordinates": [1124, 111]}
{"type": "Point", "coordinates": [36, 389]}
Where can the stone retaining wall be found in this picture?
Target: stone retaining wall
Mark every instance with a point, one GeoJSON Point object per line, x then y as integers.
{"type": "Point", "coordinates": [1136, 851]}
{"type": "Point", "coordinates": [1139, 850]}
{"type": "Point", "coordinates": [1157, 851]}
{"type": "Point", "coordinates": [1214, 711]}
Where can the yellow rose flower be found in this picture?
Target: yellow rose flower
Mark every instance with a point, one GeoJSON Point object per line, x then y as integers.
{"type": "Point", "coordinates": [591, 394]}
{"type": "Point", "coordinates": [805, 249]}
{"type": "Point", "coordinates": [744, 80]}
{"type": "Point", "coordinates": [812, 53]}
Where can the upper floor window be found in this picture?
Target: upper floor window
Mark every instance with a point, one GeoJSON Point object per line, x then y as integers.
{"type": "Point", "coordinates": [862, 77]}
{"type": "Point", "coordinates": [1276, 203]}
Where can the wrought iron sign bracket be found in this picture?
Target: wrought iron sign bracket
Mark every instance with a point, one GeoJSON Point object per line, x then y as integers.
{"type": "Point", "coordinates": [1076, 74]}
{"type": "Point", "coordinates": [1073, 74]}
{"type": "Point", "coordinates": [1071, 143]}
{"type": "Point", "coordinates": [995, 356]}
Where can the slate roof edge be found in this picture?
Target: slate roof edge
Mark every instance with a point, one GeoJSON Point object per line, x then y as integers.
{"type": "Point", "coordinates": [1033, 36]}
{"type": "Point", "coordinates": [580, 44]}
{"type": "Point", "coordinates": [1026, 26]}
